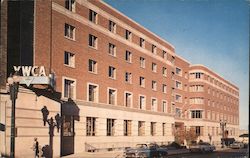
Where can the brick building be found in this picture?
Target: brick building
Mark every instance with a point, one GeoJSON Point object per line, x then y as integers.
{"type": "Point", "coordinates": [126, 84]}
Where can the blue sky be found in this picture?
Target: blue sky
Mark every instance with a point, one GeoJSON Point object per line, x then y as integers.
{"type": "Point", "coordinates": [209, 32]}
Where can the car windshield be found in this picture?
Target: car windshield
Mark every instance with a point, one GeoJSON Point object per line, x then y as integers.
{"type": "Point", "coordinates": [141, 146]}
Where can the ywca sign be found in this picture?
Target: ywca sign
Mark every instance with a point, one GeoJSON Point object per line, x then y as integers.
{"type": "Point", "coordinates": [31, 70]}
{"type": "Point", "coordinates": [33, 75]}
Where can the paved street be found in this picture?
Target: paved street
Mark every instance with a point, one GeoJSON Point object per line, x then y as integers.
{"type": "Point", "coordinates": [230, 153]}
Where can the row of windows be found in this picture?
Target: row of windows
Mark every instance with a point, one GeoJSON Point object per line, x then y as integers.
{"type": "Point", "coordinates": [92, 67]}
{"type": "Point", "coordinates": [69, 57]}
{"type": "Point", "coordinates": [93, 17]}
{"type": "Point", "coordinates": [93, 96]}
{"type": "Point", "coordinates": [200, 75]}
{"type": "Point", "coordinates": [217, 117]}
{"type": "Point", "coordinates": [127, 127]}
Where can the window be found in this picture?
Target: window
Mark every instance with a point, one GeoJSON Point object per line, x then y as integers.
{"type": "Point", "coordinates": [112, 49]}
{"type": "Point", "coordinates": [178, 98]}
{"type": "Point", "coordinates": [198, 130]}
{"type": "Point", "coordinates": [164, 71]}
{"type": "Point", "coordinates": [92, 93]}
{"type": "Point", "coordinates": [70, 5]}
{"type": "Point", "coordinates": [142, 43]}
{"type": "Point", "coordinates": [128, 35]}
{"type": "Point", "coordinates": [128, 99]}
{"type": "Point", "coordinates": [196, 114]}
{"type": "Point", "coordinates": [92, 16]}
{"type": "Point", "coordinates": [69, 31]}
{"type": "Point", "coordinates": [178, 71]}
{"type": "Point", "coordinates": [154, 85]}
{"type": "Point", "coordinates": [142, 102]}
{"type": "Point", "coordinates": [163, 129]}
{"type": "Point", "coordinates": [112, 96]}
{"type": "Point", "coordinates": [127, 126]}
{"type": "Point", "coordinates": [90, 126]}
{"type": "Point", "coordinates": [128, 77]}
{"type": "Point", "coordinates": [196, 100]}
{"type": "Point", "coordinates": [164, 88]}
{"type": "Point", "coordinates": [142, 62]}
{"type": "Point", "coordinates": [153, 49]}
{"type": "Point", "coordinates": [69, 88]}
{"type": "Point", "coordinates": [112, 26]}
{"type": "Point", "coordinates": [112, 72]}
{"type": "Point", "coordinates": [128, 56]}
{"type": "Point", "coordinates": [142, 81]}
{"type": "Point", "coordinates": [154, 67]}
{"type": "Point", "coordinates": [153, 104]}
{"type": "Point", "coordinates": [164, 55]}
{"type": "Point", "coordinates": [164, 106]}
{"type": "Point", "coordinates": [92, 41]}
{"type": "Point", "coordinates": [92, 66]}
{"type": "Point", "coordinates": [178, 85]}
{"type": "Point", "coordinates": [177, 112]}
{"type": "Point", "coordinates": [69, 59]}
{"type": "Point", "coordinates": [196, 88]}
{"type": "Point", "coordinates": [153, 128]}
{"type": "Point", "coordinates": [110, 127]}
{"type": "Point", "coordinates": [141, 128]}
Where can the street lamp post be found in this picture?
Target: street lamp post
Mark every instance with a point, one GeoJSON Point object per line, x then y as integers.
{"type": "Point", "coordinates": [223, 126]}
{"type": "Point", "coordinates": [13, 82]}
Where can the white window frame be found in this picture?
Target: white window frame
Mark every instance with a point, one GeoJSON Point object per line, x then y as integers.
{"type": "Point", "coordinates": [113, 71]}
{"type": "Point", "coordinates": [93, 66]}
{"type": "Point", "coordinates": [112, 49]}
{"type": "Point", "coordinates": [164, 71]}
{"type": "Point", "coordinates": [164, 88]}
{"type": "Point", "coordinates": [154, 107]}
{"type": "Point", "coordinates": [180, 71]}
{"type": "Point", "coordinates": [94, 43]}
{"type": "Point", "coordinates": [154, 85]}
{"type": "Point", "coordinates": [154, 67]}
{"type": "Point", "coordinates": [128, 56]}
{"type": "Point", "coordinates": [68, 30]}
{"type": "Point", "coordinates": [142, 62]}
{"type": "Point", "coordinates": [164, 55]}
{"type": "Point", "coordinates": [71, 4]}
{"type": "Point", "coordinates": [129, 74]}
{"type": "Point", "coordinates": [115, 101]}
{"type": "Point", "coordinates": [63, 87]}
{"type": "Point", "coordinates": [154, 49]}
{"type": "Point", "coordinates": [131, 101]}
{"type": "Point", "coordinates": [142, 81]}
{"type": "Point", "coordinates": [112, 26]}
{"type": "Point", "coordinates": [179, 83]}
{"type": "Point", "coordinates": [179, 101]}
{"type": "Point", "coordinates": [165, 110]}
{"type": "Point", "coordinates": [96, 100]}
{"type": "Point", "coordinates": [145, 102]}
{"type": "Point", "coordinates": [142, 42]}
{"type": "Point", "coordinates": [71, 59]}
{"type": "Point", "coordinates": [128, 35]}
{"type": "Point", "coordinates": [93, 16]}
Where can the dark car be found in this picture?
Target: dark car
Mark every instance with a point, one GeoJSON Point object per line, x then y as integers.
{"type": "Point", "coordinates": [146, 151]}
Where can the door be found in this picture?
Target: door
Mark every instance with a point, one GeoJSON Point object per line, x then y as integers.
{"type": "Point", "coordinates": [67, 135]}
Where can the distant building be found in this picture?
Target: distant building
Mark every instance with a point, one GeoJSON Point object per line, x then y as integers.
{"type": "Point", "coordinates": [127, 85]}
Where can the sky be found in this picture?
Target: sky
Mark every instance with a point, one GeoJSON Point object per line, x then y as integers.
{"type": "Point", "coordinates": [208, 32]}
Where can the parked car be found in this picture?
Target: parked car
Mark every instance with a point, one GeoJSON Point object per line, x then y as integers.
{"type": "Point", "coordinates": [149, 150]}
{"type": "Point", "coordinates": [237, 145]}
{"type": "Point", "coordinates": [202, 147]}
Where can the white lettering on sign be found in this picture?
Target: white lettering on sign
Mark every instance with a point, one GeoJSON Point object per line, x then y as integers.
{"type": "Point", "coordinates": [31, 70]}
